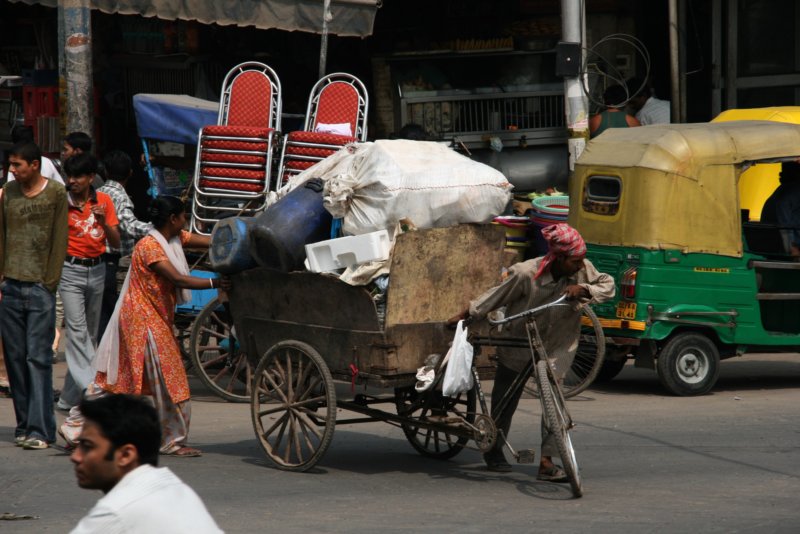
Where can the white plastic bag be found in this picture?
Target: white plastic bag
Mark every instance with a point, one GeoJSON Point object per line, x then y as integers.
{"type": "Point", "coordinates": [458, 375]}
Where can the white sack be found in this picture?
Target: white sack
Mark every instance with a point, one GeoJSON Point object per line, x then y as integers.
{"type": "Point", "coordinates": [372, 186]}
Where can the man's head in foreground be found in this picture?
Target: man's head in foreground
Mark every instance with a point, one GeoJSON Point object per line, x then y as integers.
{"type": "Point", "coordinates": [120, 433]}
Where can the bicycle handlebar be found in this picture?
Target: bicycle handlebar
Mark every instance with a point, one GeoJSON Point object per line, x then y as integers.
{"type": "Point", "coordinates": [532, 311]}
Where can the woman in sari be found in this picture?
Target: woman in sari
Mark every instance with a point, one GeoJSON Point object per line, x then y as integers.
{"type": "Point", "coordinates": [139, 354]}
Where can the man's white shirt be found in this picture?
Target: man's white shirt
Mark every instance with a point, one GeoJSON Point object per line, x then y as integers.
{"type": "Point", "coordinates": [654, 111]}
{"type": "Point", "coordinates": [149, 500]}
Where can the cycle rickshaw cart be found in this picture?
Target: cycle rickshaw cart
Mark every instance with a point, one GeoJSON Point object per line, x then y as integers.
{"type": "Point", "coordinates": [305, 331]}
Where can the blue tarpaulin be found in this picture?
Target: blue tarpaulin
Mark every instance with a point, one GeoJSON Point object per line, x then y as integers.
{"type": "Point", "coordinates": [175, 118]}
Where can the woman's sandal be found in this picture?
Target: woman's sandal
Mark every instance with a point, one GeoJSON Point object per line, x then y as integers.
{"type": "Point", "coordinates": [186, 452]}
{"type": "Point", "coordinates": [552, 474]}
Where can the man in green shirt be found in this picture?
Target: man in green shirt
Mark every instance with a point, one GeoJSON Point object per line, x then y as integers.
{"type": "Point", "coordinates": [33, 243]}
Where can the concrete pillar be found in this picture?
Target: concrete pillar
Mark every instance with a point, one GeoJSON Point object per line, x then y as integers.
{"type": "Point", "coordinates": [676, 97]}
{"type": "Point", "coordinates": [323, 47]}
{"type": "Point", "coordinates": [576, 104]}
{"type": "Point", "coordinates": [75, 61]}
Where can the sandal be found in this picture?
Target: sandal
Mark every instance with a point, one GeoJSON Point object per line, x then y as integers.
{"type": "Point", "coordinates": [70, 445]}
{"type": "Point", "coordinates": [185, 452]}
{"type": "Point", "coordinates": [552, 474]}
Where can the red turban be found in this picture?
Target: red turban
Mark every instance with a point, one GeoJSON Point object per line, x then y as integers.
{"type": "Point", "coordinates": [562, 240]}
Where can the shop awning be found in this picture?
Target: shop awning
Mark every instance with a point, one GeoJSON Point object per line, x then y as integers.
{"type": "Point", "coordinates": [353, 18]}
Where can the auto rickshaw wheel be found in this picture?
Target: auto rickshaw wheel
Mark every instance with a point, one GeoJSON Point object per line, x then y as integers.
{"type": "Point", "coordinates": [588, 358]}
{"type": "Point", "coordinates": [432, 405]}
{"type": "Point", "coordinates": [216, 356]}
{"type": "Point", "coordinates": [688, 364]}
{"type": "Point", "coordinates": [293, 405]}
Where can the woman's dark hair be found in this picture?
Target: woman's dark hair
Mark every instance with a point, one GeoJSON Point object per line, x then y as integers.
{"type": "Point", "coordinates": [161, 209]}
{"type": "Point", "coordinates": [126, 419]}
{"type": "Point", "coordinates": [81, 164]}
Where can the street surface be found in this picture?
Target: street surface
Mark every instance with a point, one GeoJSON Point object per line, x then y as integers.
{"type": "Point", "coordinates": [726, 462]}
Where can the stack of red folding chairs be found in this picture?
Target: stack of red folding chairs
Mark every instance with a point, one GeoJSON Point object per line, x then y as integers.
{"type": "Point", "coordinates": [233, 169]}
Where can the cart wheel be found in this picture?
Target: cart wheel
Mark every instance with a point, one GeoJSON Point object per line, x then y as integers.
{"type": "Point", "coordinates": [432, 404]}
{"type": "Point", "coordinates": [588, 359]}
{"type": "Point", "coordinates": [293, 405]}
{"type": "Point", "coordinates": [216, 356]}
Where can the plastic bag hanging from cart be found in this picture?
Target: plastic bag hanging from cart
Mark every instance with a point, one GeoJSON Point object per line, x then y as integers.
{"type": "Point", "coordinates": [458, 375]}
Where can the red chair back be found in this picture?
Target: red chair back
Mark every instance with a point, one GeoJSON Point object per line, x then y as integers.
{"type": "Point", "coordinates": [250, 100]}
{"type": "Point", "coordinates": [338, 104]}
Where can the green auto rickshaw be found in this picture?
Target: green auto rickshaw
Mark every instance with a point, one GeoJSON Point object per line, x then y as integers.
{"type": "Point", "coordinates": [697, 280]}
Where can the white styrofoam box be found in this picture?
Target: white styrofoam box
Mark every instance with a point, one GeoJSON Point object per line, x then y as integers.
{"type": "Point", "coordinates": [348, 251]}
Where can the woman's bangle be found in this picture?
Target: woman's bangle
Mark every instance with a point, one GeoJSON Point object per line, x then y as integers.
{"type": "Point", "coordinates": [211, 283]}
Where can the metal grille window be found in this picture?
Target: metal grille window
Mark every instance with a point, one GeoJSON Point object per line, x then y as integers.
{"type": "Point", "coordinates": [448, 116]}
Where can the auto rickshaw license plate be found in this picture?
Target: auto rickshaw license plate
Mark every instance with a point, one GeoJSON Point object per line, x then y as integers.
{"type": "Point", "coordinates": [626, 310]}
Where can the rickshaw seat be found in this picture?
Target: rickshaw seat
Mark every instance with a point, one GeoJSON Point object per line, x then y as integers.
{"type": "Point", "coordinates": [766, 239]}
{"type": "Point", "coordinates": [233, 168]}
{"type": "Point", "coordinates": [338, 101]}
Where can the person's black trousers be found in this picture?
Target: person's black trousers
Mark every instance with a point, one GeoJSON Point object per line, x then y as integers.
{"type": "Point", "coordinates": [109, 292]}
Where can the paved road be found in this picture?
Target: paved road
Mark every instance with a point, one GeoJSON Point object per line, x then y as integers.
{"type": "Point", "coordinates": [726, 462]}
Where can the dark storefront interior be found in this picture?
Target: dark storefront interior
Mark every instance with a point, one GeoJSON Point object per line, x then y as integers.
{"type": "Point", "coordinates": [427, 61]}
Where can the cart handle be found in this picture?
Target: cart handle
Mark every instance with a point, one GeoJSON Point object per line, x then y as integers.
{"type": "Point", "coordinates": [533, 311]}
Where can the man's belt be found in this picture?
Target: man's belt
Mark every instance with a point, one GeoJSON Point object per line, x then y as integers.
{"type": "Point", "coordinates": [86, 262]}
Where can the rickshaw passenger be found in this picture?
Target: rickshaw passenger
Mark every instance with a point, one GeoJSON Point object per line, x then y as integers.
{"type": "Point", "coordinates": [783, 206]}
{"type": "Point", "coordinates": [563, 270]}
{"type": "Point", "coordinates": [614, 115]}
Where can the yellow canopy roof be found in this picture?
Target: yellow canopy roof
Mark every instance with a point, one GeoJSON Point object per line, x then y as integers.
{"type": "Point", "coordinates": [677, 183]}
{"type": "Point", "coordinates": [684, 148]}
{"type": "Point", "coordinates": [790, 114]}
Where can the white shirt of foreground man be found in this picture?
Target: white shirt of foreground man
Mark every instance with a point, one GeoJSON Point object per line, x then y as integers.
{"type": "Point", "coordinates": [117, 453]}
{"type": "Point", "coordinates": [149, 500]}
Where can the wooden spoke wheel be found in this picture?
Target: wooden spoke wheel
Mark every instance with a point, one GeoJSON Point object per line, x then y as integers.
{"type": "Point", "coordinates": [433, 406]}
{"type": "Point", "coordinates": [293, 405]}
{"type": "Point", "coordinates": [216, 355]}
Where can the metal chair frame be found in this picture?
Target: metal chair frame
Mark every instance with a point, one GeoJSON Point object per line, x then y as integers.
{"type": "Point", "coordinates": [203, 208]}
{"type": "Point", "coordinates": [312, 115]}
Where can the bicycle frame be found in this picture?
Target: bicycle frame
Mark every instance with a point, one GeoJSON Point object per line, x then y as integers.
{"type": "Point", "coordinates": [538, 353]}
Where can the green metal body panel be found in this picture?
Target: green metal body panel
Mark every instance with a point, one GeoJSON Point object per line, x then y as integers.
{"type": "Point", "coordinates": [719, 293]}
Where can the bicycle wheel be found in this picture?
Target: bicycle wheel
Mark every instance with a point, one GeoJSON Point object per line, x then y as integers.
{"type": "Point", "coordinates": [588, 358]}
{"type": "Point", "coordinates": [558, 422]}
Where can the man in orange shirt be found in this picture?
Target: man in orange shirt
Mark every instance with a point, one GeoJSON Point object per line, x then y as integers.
{"type": "Point", "coordinates": [92, 220]}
